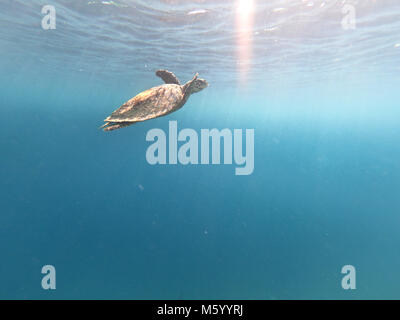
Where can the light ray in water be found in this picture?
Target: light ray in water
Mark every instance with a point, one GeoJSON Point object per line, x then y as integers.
{"type": "Point", "coordinates": [244, 26]}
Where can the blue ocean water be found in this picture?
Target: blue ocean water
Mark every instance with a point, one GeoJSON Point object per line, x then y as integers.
{"type": "Point", "coordinates": [323, 101]}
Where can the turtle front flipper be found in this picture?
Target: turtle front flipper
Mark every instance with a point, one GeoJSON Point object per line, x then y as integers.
{"type": "Point", "coordinates": [168, 77]}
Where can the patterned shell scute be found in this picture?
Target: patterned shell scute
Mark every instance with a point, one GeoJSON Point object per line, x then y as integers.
{"type": "Point", "coordinates": [149, 104]}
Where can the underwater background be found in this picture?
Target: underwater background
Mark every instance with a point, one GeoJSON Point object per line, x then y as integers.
{"type": "Point", "coordinates": [322, 97]}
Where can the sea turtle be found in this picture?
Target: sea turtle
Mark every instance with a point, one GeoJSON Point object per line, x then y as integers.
{"type": "Point", "coordinates": [155, 102]}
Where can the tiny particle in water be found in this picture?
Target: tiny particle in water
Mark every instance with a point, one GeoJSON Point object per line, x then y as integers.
{"type": "Point", "coordinates": [397, 45]}
{"type": "Point", "coordinates": [141, 187]}
{"type": "Point", "coordinates": [276, 140]}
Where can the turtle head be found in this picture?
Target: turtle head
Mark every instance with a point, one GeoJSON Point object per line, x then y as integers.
{"type": "Point", "coordinates": [198, 85]}
{"type": "Point", "coordinates": [195, 85]}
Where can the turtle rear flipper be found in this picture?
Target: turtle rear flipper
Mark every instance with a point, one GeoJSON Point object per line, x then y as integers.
{"type": "Point", "coordinates": [104, 125]}
{"type": "Point", "coordinates": [109, 126]}
{"type": "Point", "coordinates": [168, 77]}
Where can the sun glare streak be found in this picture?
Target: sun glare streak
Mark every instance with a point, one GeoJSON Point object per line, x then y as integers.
{"type": "Point", "coordinates": [244, 27]}
{"type": "Point", "coordinates": [245, 7]}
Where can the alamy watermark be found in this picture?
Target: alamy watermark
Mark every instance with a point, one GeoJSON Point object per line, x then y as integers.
{"type": "Point", "coordinates": [349, 280]}
{"type": "Point", "coordinates": [49, 280]}
{"type": "Point", "coordinates": [189, 152]}
{"type": "Point", "coordinates": [49, 20]}
{"type": "Point", "coordinates": [349, 19]}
